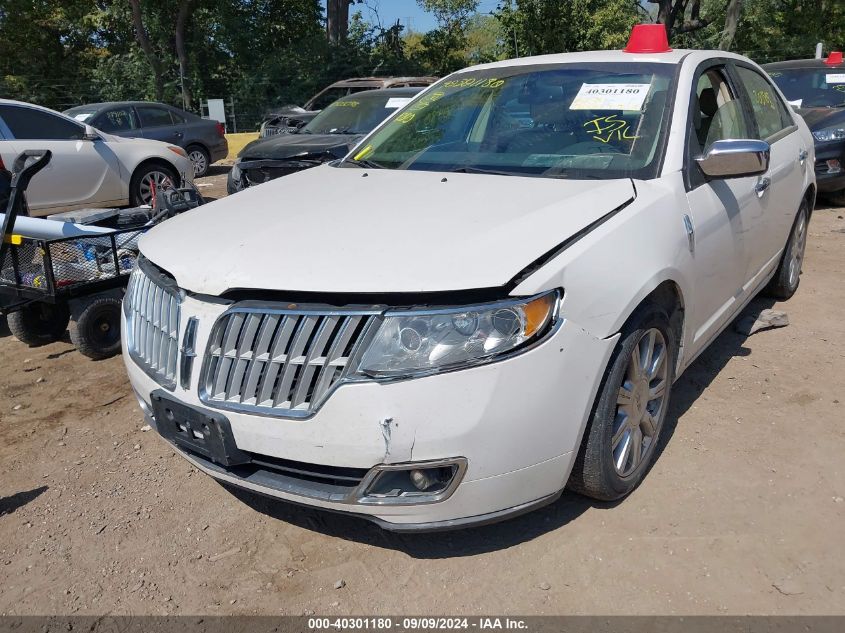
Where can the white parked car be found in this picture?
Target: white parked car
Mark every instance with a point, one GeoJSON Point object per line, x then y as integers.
{"type": "Point", "coordinates": [89, 168]}
{"type": "Point", "coordinates": [488, 300]}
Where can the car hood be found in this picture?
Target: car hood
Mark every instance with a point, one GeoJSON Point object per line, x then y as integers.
{"type": "Point", "coordinates": [818, 118]}
{"type": "Point", "coordinates": [294, 145]}
{"type": "Point", "coordinates": [349, 230]}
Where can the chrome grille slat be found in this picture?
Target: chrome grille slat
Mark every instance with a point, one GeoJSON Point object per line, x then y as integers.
{"type": "Point", "coordinates": [279, 362]}
{"type": "Point", "coordinates": [152, 317]}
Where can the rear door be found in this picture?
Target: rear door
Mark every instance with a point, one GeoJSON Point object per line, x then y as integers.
{"type": "Point", "coordinates": [780, 189]}
{"type": "Point", "coordinates": [81, 172]}
{"type": "Point", "coordinates": [121, 121]}
{"type": "Point", "coordinates": [157, 123]}
{"type": "Point", "coordinates": [720, 210]}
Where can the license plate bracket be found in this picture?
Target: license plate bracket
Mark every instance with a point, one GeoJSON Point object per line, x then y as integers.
{"type": "Point", "coordinates": [196, 430]}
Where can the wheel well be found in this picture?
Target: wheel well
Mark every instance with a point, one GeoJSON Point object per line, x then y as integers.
{"type": "Point", "coordinates": [198, 144]}
{"type": "Point", "coordinates": [668, 296]}
{"type": "Point", "coordinates": [810, 197]}
{"type": "Point", "coordinates": [155, 161]}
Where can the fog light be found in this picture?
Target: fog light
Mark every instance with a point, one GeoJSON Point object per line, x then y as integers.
{"type": "Point", "coordinates": [833, 166]}
{"type": "Point", "coordinates": [412, 483]}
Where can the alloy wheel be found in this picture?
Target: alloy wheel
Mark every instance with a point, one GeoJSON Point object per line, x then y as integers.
{"type": "Point", "coordinates": [796, 251]}
{"type": "Point", "coordinates": [640, 403]}
{"type": "Point", "coordinates": [153, 180]}
{"type": "Point", "coordinates": [199, 160]}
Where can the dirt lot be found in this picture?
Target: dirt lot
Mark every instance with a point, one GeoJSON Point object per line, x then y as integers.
{"type": "Point", "coordinates": [743, 512]}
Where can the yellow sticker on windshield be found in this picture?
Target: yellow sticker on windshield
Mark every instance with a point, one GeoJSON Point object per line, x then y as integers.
{"type": "Point", "coordinates": [363, 153]}
{"type": "Point", "coordinates": [475, 82]}
{"type": "Point", "coordinates": [607, 128]}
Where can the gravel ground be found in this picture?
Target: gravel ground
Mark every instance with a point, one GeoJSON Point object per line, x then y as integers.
{"type": "Point", "coordinates": [742, 513]}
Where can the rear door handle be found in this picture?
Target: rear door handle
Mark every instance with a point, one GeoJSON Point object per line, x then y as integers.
{"type": "Point", "coordinates": [761, 186]}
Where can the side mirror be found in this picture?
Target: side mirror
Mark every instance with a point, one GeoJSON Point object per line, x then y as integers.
{"type": "Point", "coordinates": [90, 134]}
{"type": "Point", "coordinates": [735, 158]}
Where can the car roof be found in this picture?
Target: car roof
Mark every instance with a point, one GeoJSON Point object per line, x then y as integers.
{"type": "Point", "coordinates": [801, 63]}
{"type": "Point", "coordinates": [392, 92]}
{"type": "Point", "coordinates": [102, 105]}
{"type": "Point", "coordinates": [378, 81]}
{"type": "Point", "coordinates": [672, 56]}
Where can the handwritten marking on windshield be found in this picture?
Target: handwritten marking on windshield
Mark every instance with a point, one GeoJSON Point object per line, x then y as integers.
{"type": "Point", "coordinates": [475, 82]}
{"type": "Point", "coordinates": [607, 128]}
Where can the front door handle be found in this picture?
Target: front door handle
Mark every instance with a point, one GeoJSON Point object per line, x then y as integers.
{"type": "Point", "coordinates": [802, 156]}
{"type": "Point", "coordinates": [762, 185]}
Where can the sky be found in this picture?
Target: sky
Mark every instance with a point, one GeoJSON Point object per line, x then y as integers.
{"type": "Point", "coordinates": [408, 12]}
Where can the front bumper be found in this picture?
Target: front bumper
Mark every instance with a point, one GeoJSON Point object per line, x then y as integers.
{"type": "Point", "coordinates": [517, 422]}
{"type": "Point", "coordinates": [828, 180]}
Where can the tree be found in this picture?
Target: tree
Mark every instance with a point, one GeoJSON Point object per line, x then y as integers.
{"type": "Point", "coordinates": [536, 27]}
{"type": "Point", "coordinates": [337, 19]}
{"type": "Point", "coordinates": [440, 50]}
{"type": "Point", "coordinates": [146, 45]}
{"type": "Point", "coordinates": [680, 16]}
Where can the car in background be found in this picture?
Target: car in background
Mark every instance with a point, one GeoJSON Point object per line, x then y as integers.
{"type": "Point", "coordinates": [89, 167]}
{"type": "Point", "coordinates": [203, 139]}
{"type": "Point", "coordinates": [816, 88]}
{"type": "Point", "coordinates": [329, 136]}
{"type": "Point", "coordinates": [291, 118]}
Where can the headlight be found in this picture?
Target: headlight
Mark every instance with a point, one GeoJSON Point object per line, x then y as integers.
{"type": "Point", "coordinates": [830, 134]}
{"type": "Point", "coordinates": [425, 341]}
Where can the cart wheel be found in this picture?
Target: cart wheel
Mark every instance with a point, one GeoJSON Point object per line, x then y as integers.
{"type": "Point", "coordinates": [39, 323]}
{"type": "Point", "coordinates": [96, 331]}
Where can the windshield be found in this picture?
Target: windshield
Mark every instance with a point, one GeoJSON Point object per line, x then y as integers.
{"type": "Point", "coordinates": [81, 114]}
{"type": "Point", "coordinates": [577, 121]}
{"type": "Point", "coordinates": [812, 87]}
{"type": "Point", "coordinates": [356, 114]}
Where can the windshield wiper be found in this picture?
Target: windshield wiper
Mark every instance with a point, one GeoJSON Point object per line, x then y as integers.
{"type": "Point", "coordinates": [465, 169]}
{"type": "Point", "coordinates": [363, 163]}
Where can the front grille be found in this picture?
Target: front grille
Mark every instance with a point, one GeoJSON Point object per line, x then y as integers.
{"type": "Point", "coordinates": [280, 362]}
{"type": "Point", "coordinates": [152, 306]}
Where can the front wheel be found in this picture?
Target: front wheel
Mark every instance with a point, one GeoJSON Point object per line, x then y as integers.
{"type": "Point", "coordinates": [621, 440]}
{"type": "Point", "coordinates": [148, 179]}
{"type": "Point", "coordinates": [39, 323]}
{"type": "Point", "coordinates": [96, 331]}
{"type": "Point", "coordinates": [788, 274]}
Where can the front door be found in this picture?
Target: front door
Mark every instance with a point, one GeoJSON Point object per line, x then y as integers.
{"type": "Point", "coordinates": [720, 210]}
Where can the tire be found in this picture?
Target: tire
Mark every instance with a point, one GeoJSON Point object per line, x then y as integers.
{"type": "Point", "coordinates": [612, 425]}
{"type": "Point", "coordinates": [200, 158]}
{"type": "Point", "coordinates": [139, 187]}
{"type": "Point", "coordinates": [788, 274]}
{"type": "Point", "coordinates": [39, 323]}
{"type": "Point", "coordinates": [96, 331]}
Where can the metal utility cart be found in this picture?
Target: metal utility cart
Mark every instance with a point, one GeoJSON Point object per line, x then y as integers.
{"type": "Point", "coordinates": [76, 283]}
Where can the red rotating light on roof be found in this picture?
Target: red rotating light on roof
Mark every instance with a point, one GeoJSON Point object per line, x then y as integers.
{"type": "Point", "coordinates": [834, 59]}
{"type": "Point", "coordinates": [648, 38]}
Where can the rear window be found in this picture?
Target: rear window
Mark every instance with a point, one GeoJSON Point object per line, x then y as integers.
{"type": "Point", "coordinates": [154, 117]}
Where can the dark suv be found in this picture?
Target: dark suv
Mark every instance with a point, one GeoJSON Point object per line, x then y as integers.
{"type": "Point", "coordinates": [203, 139]}
{"type": "Point", "coordinates": [289, 118]}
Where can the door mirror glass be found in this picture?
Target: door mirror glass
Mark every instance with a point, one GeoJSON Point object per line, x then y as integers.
{"type": "Point", "coordinates": [90, 134]}
{"type": "Point", "coordinates": [735, 158]}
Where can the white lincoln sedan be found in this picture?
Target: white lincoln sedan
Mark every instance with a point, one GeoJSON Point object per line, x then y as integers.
{"type": "Point", "coordinates": [488, 300]}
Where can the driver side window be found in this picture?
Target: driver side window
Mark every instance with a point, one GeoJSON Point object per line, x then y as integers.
{"type": "Point", "coordinates": [717, 112]}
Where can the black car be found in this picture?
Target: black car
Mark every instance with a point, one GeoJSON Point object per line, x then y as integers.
{"type": "Point", "coordinates": [203, 139]}
{"type": "Point", "coordinates": [816, 88]}
{"type": "Point", "coordinates": [328, 136]}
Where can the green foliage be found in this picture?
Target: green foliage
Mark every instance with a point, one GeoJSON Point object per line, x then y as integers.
{"type": "Point", "coordinates": [536, 27]}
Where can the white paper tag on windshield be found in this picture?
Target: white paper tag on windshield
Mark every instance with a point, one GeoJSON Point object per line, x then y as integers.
{"type": "Point", "coordinates": [835, 78]}
{"type": "Point", "coordinates": [83, 116]}
{"type": "Point", "coordinates": [797, 103]}
{"type": "Point", "coordinates": [610, 97]}
{"type": "Point", "coordinates": [397, 102]}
